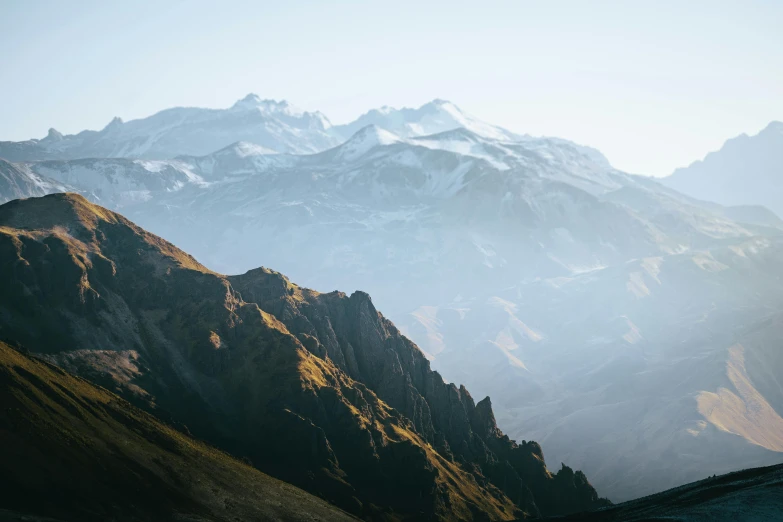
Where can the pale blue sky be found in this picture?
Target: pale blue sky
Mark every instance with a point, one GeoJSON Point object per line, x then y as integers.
{"type": "Point", "coordinates": [652, 84]}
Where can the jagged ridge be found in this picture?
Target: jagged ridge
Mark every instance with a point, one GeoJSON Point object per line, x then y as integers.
{"type": "Point", "coordinates": [317, 389]}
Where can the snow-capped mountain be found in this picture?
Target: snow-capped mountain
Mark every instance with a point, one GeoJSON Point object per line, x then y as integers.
{"type": "Point", "coordinates": [557, 207]}
{"type": "Point", "coordinates": [19, 181]}
{"type": "Point", "coordinates": [440, 116]}
{"type": "Point", "coordinates": [527, 267]}
{"type": "Point", "coordinates": [262, 125]}
{"type": "Point", "coordinates": [118, 182]}
{"type": "Point", "coordinates": [747, 170]}
{"type": "Point", "coordinates": [275, 125]}
{"type": "Point", "coordinates": [383, 203]}
{"type": "Point", "coordinates": [431, 118]}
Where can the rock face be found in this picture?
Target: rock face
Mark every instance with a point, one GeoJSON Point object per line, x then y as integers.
{"type": "Point", "coordinates": [317, 389]}
{"type": "Point", "coordinates": [368, 348]}
{"type": "Point", "coordinates": [74, 451]}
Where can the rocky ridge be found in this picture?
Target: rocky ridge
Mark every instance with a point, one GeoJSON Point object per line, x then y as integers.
{"type": "Point", "coordinates": [317, 389]}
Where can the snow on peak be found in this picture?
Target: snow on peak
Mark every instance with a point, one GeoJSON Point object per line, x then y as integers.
{"type": "Point", "coordinates": [448, 114]}
{"type": "Point", "coordinates": [441, 104]}
{"type": "Point", "coordinates": [465, 142]}
{"type": "Point", "coordinates": [458, 134]}
{"type": "Point", "coordinates": [284, 111]}
{"type": "Point", "coordinates": [431, 118]}
{"type": "Point", "coordinates": [366, 139]}
{"type": "Point", "coordinates": [266, 106]}
{"type": "Point", "coordinates": [243, 149]}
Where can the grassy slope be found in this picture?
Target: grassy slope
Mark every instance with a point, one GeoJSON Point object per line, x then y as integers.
{"type": "Point", "coordinates": [73, 451]}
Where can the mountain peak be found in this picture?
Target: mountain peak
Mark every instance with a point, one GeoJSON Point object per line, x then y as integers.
{"type": "Point", "coordinates": [440, 103]}
{"type": "Point", "coordinates": [433, 117]}
{"type": "Point", "coordinates": [251, 98]}
{"type": "Point", "coordinates": [407, 113]}
{"type": "Point", "coordinates": [80, 225]}
{"type": "Point", "coordinates": [774, 126]}
{"type": "Point", "coordinates": [54, 135]}
{"type": "Point", "coordinates": [66, 209]}
{"type": "Point", "coordinates": [366, 139]}
{"type": "Point", "coordinates": [114, 123]}
{"type": "Point", "coordinates": [282, 110]}
{"type": "Point", "coordinates": [267, 106]}
{"type": "Point", "coordinates": [445, 110]}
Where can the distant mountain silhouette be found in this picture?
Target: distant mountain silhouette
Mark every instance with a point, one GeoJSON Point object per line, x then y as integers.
{"type": "Point", "coordinates": [747, 170]}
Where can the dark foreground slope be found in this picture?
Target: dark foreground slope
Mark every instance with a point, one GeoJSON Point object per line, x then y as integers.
{"type": "Point", "coordinates": [752, 495]}
{"type": "Point", "coordinates": [316, 389]}
{"type": "Point", "coordinates": [73, 451]}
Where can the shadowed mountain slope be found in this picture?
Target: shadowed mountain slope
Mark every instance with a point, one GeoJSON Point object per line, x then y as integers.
{"type": "Point", "coordinates": [74, 451]}
{"type": "Point", "coordinates": [317, 389]}
{"type": "Point", "coordinates": [750, 495]}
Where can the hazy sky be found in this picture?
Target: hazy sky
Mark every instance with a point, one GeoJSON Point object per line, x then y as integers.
{"type": "Point", "coordinates": [652, 84]}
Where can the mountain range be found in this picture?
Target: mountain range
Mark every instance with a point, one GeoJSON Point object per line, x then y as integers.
{"type": "Point", "coordinates": [319, 390]}
{"type": "Point", "coordinates": [630, 328]}
{"type": "Point", "coordinates": [270, 125]}
{"type": "Point", "coordinates": [186, 130]}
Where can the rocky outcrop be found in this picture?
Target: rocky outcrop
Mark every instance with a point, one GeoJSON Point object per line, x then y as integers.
{"type": "Point", "coordinates": [398, 372]}
{"type": "Point", "coordinates": [317, 389]}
